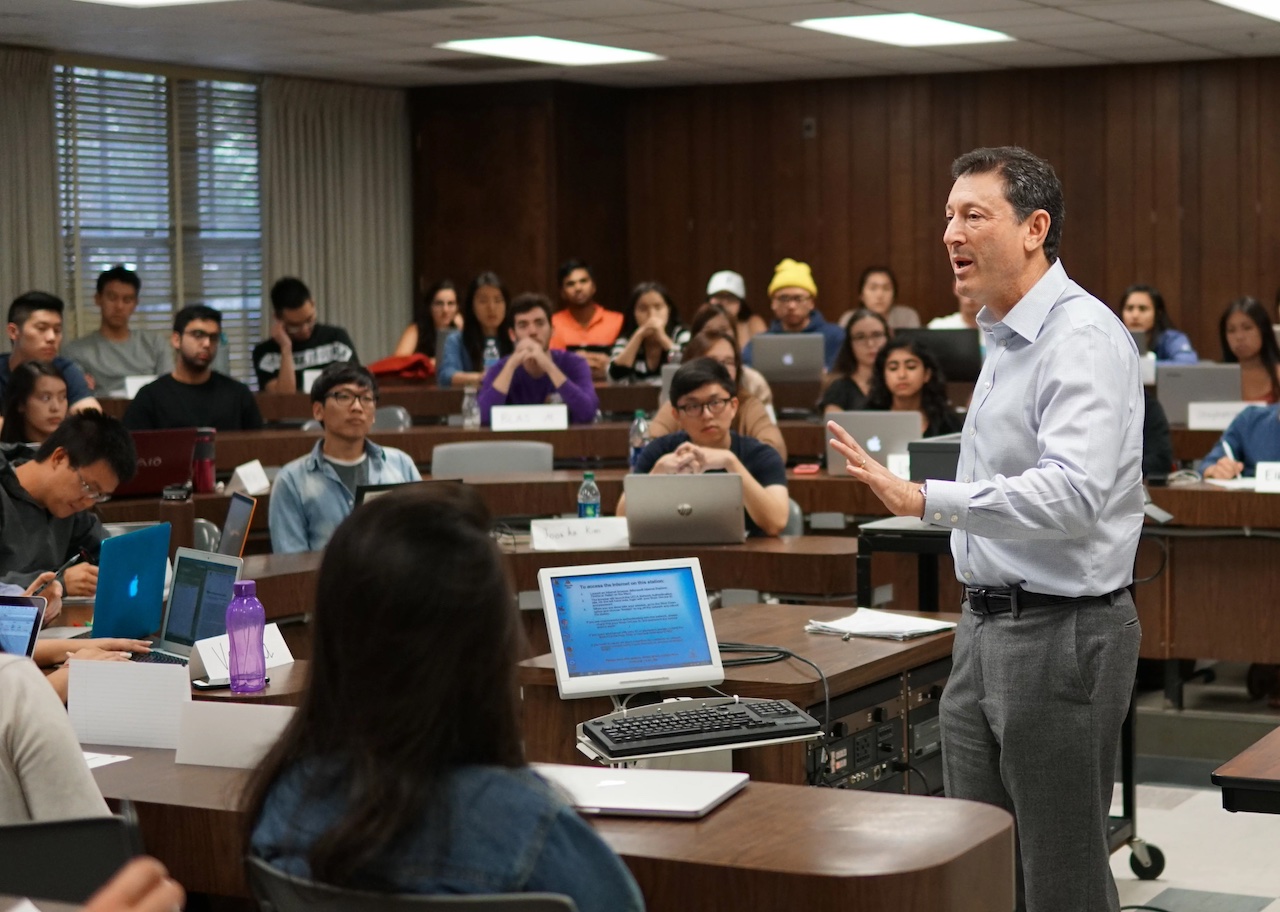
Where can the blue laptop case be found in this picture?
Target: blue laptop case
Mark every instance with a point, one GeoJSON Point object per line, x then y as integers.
{"type": "Point", "coordinates": [130, 597]}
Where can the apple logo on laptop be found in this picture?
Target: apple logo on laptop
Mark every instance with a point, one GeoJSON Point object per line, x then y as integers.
{"type": "Point", "coordinates": [788, 359]}
{"type": "Point", "coordinates": [133, 587]}
{"type": "Point", "coordinates": [873, 444]}
{"type": "Point", "coordinates": [684, 509]}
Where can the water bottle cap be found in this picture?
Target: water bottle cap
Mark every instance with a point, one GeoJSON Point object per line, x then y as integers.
{"type": "Point", "coordinates": [589, 476]}
{"type": "Point", "coordinates": [245, 587]}
{"type": "Point", "coordinates": [639, 413]}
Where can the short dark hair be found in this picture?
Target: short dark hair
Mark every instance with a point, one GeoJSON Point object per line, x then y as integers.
{"type": "Point", "coordinates": [288, 294]}
{"type": "Point", "coordinates": [340, 373]}
{"type": "Point", "coordinates": [119, 273]}
{"type": "Point", "coordinates": [22, 383]}
{"type": "Point", "coordinates": [195, 312]}
{"type": "Point", "coordinates": [25, 305]}
{"type": "Point", "coordinates": [523, 303]}
{"type": "Point", "coordinates": [1029, 184]}
{"type": "Point", "coordinates": [696, 374]}
{"type": "Point", "coordinates": [568, 266]}
{"type": "Point", "coordinates": [89, 437]}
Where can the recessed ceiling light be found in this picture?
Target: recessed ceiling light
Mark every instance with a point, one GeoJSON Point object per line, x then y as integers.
{"type": "Point", "coordinates": [150, 3]}
{"type": "Point", "coordinates": [1267, 9]}
{"type": "Point", "coordinates": [905, 30]}
{"type": "Point", "coordinates": [538, 49]}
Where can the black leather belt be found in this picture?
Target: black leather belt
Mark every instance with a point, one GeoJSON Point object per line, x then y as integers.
{"type": "Point", "coordinates": [993, 600]}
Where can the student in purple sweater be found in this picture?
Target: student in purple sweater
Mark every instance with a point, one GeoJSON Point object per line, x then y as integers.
{"type": "Point", "coordinates": [533, 374]}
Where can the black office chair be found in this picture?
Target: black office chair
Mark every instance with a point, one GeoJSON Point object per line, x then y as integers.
{"type": "Point", "coordinates": [66, 860]}
{"type": "Point", "coordinates": [277, 891]}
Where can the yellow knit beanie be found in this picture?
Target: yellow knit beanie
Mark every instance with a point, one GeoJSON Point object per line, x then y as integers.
{"type": "Point", "coordinates": [793, 274]}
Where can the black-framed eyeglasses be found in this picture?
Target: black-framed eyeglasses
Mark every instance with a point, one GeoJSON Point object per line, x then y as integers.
{"type": "Point", "coordinates": [201, 336]}
{"type": "Point", "coordinates": [346, 397]}
{"type": "Point", "coordinates": [91, 492]}
{"type": "Point", "coordinates": [694, 409]}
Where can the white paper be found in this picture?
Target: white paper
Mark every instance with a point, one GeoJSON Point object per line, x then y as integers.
{"type": "Point", "coordinates": [1147, 369]}
{"type": "Point", "coordinates": [222, 733]}
{"type": "Point", "coordinates": [97, 760]}
{"type": "Point", "coordinates": [135, 382]}
{"type": "Point", "coordinates": [1214, 416]}
{"type": "Point", "coordinates": [899, 464]}
{"type": "Point", "coordinates": [553, 417]}
{"type": "Point", "coordinates": [1267, 477]}
{"type": "Point", "coordinates": [309, 376]}
{"type": "Point", "coordinates": [209, 656]}
{"type": "Point", "coordinates": [132, 704]}
{"type": "Point", "coordinates": [23, 905]}
{"type": "Point", "coordinates": [250, 478]}
{"type": "Point", "coordinates": [1233, 484]}
{"type": "Point", "coordinates": [867, 622]}
{"type": "Point", "coordinates": [579, 534]}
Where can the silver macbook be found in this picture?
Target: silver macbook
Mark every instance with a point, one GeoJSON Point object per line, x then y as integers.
{"type": "Point", "coordinates": [197, 609]}
{"type": "Point", "coordinates": [685, 509]}
{"type": "Point", "coordinates": [633, 792]}
{"type": "Point", "coordinates": [789, 356]}
{"type": "Point", "coordinates": [1177, 385]}
{"type": "Point", "coordinates": [881, 434]}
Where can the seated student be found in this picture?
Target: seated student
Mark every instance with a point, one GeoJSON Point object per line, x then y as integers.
{"type": "Point", "coordinates": [651, 332]}
{"type": "Point", "coordinates": [716, 317]}
{"type": "Point", "coordinates": [435, 314]}
{"type": "Point", "coordinates": [313, 493]}
{"type": "Point", "coordinates": [35, 329]}
{"type": "Point", "coordinates": [533, 373]}
{"type": "Point", "coordinates": [1248, 339]}
{"type": "Point", "coordinates": [582, 325]}
{"type": "Point", "coordinates": [194, 394]}
{"type": "Point", "coordinates": [35, 403]}
{"type": "Point", "coordinates": [705, 402]}
{"type": "Point", "coordinates": [878, 292]}
{"type": "Point", "coordinates": [113, 351]}
{"type": "Point", "coordinates": [298, 343]}
{"type": "Point", "coordinates": [1252, 437]}
{"type": "Point", "coordinates": [753, 420]}
{"type": "Point", "coordinates": [792, 293]}
{"type": "Point", "coordinates": [1142, 309]}
{"type": "Point", "coordinates": [483, 339]}
{"type": "Point", "coordinates": [46, 503]}
{"type": "Point", "coordinates": [727, 289]}
{"type": "Point", "coordinates": [409, 777]}
{"type": "Point", "coordinates": [864, 335]}
{"type": "Point", "coordinates": [908, 379]}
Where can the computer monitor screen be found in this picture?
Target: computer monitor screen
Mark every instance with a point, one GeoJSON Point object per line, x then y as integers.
{"type": "Point", "coordinates": [959, 351]}
{"type": "Point", "coordinates": [202, 590]}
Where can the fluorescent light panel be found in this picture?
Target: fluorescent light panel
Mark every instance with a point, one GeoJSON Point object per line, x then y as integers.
{"type": "Point", "coordinates": [556, 51]}
{"type": "Point", "coordinates": [1267, 9]}
{"type": "Point", "coordinates": [149, 3]}
{"type": "Point", "coordinates": [905, 30]}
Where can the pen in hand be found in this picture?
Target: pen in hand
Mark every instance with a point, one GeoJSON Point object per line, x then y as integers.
{"type": "Point", "coordinates": [71, 562]}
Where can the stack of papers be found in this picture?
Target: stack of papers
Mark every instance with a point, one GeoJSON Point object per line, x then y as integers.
{"type": "Point", "coordinates": [886, 625]}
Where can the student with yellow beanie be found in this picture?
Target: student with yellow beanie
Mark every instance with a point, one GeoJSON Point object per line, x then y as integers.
{"type": "Point", "coordinates": [792, 294]}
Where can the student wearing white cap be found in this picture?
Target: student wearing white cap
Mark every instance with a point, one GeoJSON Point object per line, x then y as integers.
{"type": "Point", "coordinates": [727, 289]}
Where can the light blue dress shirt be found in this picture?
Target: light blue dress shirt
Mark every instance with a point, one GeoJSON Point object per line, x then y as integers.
{"type": "Point", "coordinates": [1049, 484]}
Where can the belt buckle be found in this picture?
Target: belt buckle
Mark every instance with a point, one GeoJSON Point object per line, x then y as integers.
{"type": "Point", "coordinates": [993, 601]}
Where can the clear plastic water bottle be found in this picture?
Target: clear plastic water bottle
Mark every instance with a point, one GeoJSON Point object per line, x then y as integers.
{"type": "Point", "coordinates": [588, 497]}
{"type": "Point", "coordinates": [245, 622]}
{"type": "Point", "coordinates": [639, 436]}
{"type": "Point", "coordinates": [470, 409]}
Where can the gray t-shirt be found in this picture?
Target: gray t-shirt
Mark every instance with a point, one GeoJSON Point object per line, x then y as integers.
{"type": "Point", "coordinates": [351, 474]}
{"type": "Point", "coordinates": [110, 362]}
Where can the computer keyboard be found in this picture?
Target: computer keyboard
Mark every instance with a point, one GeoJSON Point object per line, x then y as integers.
{"type": "Point", "coordinates": [163, 658]}
{"type": "Point", "coordinates": [689, 724]}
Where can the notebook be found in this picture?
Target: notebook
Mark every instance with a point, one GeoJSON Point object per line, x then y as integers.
{"type": "Point", "coordinates": [164, 458]}
{"type": "Point", "coordinates": [789, 357]}
{"type": "Point", "coordinates": [20, 620]}
{"type": "Point", "coordinates": [235, 529]}
{"type": "Point", "coordinates": [130, 596]}
{"type": "Point", "coordinates": [881, 434]}
{"type": "Point", "coordinates": [628, 627]}
{"type": "Point", "coordinates": [630, 792]}
{"type": "Point", "coordinates": [203, 586]}
{"type": "Point", "coordinates": [685, 509]}
{"type": "Point", "coordinates": [1178, 385]}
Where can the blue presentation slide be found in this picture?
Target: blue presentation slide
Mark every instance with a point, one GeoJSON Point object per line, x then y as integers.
{"type": "Point", "coordinates": [620, 623]}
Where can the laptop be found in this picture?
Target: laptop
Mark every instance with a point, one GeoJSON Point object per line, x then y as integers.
{"type": "Point", "coordinates": [1142, 340]}
{"type": "Point", "coordinates": [1178, 385]}
{"type": "Point", "coordinates": [131, 571]}
{"type": "Point", "coordinates": [164, 458]}
{"type": "Point", "coordinates": [630, 792]}
{"type": "Point", "coordinates": [959, 351]}
{"type": "Point", "coordinates": [881, 434]}
{"type": "Point", "coordinates": [789, 357]}
{"type": "Point", "coordinates": [20, 620]}
{"type": "Point", "coordinates": [366, 493]}
{"type": "Point", "coordinates": [203, 586]}
{"type": "Point", "coordinates": [235, 528]}
{"type": "Point", "coordinates": [685, 509]}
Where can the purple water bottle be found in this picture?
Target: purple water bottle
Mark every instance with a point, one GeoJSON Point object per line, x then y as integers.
{"type": "Point", "coordinates": [245, 622]}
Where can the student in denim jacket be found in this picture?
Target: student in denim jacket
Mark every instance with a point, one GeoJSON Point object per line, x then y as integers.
{"type": "Point", "coordinates": [406, 774]}
{"type": "Point", "coordinates": [315, 492]}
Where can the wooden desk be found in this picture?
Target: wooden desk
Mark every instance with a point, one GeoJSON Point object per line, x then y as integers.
{"type": "Point", "coordinates": [819, 849]}
{"type": "Point", "coordinates": [1192, 446]}
{"type": "Point", "coordinates": [1251, 780]}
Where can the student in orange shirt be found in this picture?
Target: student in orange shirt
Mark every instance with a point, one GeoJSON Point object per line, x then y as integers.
{"type": "Point", "coordinates": [582, 325]}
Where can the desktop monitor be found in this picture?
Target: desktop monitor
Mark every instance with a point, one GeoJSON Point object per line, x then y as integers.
{"type": "Point", "coordinates": [959, 351]}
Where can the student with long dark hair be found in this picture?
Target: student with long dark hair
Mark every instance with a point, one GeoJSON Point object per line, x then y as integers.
{"type": "Point", "coordinates": [651, 331]}
{"type": "Point", "coordinates": [1247, 339]}
{"type": "Point", "coordinates": [408, 776]}
{"type": "Point", "coordinates": [908, 378]}
{"type": "Point", "coordinates": [436, 313]}
{"type": "Point", "coordinates": [483, 340]}
{"type": "Point", "coordinates": [855, 368]}
{"type": "Point", "coordinates": [35, 403]}
{"type": "Point", "coordinates": [1142, 310]}
{"type": "Point", "coordinates": [717, 317]}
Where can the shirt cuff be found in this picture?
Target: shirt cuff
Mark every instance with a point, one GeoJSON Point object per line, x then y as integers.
{"type": "Point", "coordinates": [946, 503]}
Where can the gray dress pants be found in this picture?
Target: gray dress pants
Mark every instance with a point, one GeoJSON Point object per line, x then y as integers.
{"type": "Point", "coordinates": [1031, 720]}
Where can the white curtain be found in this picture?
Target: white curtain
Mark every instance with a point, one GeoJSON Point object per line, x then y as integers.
{"type": "Point", "coordinates": [336, 204]}
{"type": "Point", "coordinates": [29, 245]}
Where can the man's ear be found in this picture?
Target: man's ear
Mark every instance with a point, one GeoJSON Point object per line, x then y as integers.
{"type": "Point", "coordinates": [317, 412]}
{"type": "Point", "coordinates": [175, 340]}
{"type": "Point", "coordinates": [12, 329]}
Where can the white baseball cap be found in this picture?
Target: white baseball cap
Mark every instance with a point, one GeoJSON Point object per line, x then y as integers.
{"type": "Point", "coordinates": [727, 280]}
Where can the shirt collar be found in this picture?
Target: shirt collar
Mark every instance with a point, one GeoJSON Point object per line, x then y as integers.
{"type": "Point", "coordinates": [1028, 315]}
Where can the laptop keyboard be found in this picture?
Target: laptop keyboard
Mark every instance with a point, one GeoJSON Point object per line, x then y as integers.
{"type": "Point", "coordinates": [694, 724]}
{"type": "Point", "coordinates": [164, 658]}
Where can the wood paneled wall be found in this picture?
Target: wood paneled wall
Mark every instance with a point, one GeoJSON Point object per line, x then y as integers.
{"type": "Point", "coordinates": [1171, 173]}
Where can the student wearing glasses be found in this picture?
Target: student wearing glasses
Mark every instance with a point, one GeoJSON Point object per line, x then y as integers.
{"type": "Point", "coordinates": [855, 368]}
{"type": "Point", "coordinates": [194, 394]}
{"type": "Point", "coordinates": [793, 296]}
{"type": "Point", "coordinates": [314, 493]}
{"type": "Point", "coordinates": [705, 402]}
{"type": "Point", "coordinates": [299, 342]}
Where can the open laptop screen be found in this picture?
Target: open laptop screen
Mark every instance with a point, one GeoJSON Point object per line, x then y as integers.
{"type": "Point", "coordinates": [622, 628]}
{"type": "Point", "coordinates": [20, 618]}
{"type": "Point", "coordinates": [202, 589]}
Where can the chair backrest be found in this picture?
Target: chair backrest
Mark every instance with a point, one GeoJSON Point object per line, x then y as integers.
{"type": "Point", "coordinates": [795, 519]}
{"type": "Point", "coordinates": [65, 860]}
{"type": "Point", "coordinates": [205, 535]}
{"type": "Point", "coordinates": [277, 891]}
{"type": "Point", "coordinates": [392, 418]}
{"type": "Point", "coordinates": [491, 457]}
{"type": "Point", "coordinates": [310, 426]}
